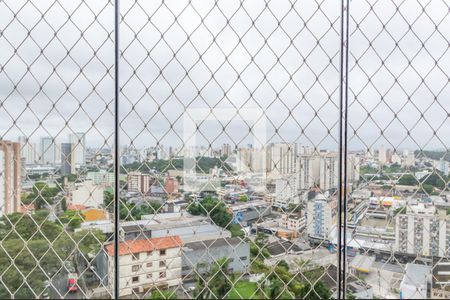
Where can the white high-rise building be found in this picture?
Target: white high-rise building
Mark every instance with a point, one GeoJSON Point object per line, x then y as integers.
{"type": "Point", "coordinates": [78, 140]}
{"type": "Point", "coordinates": [353, 167]}
{"type": "Point", "coordinates": [10, 167]}
{"type": "Point", "coordinates": [28, 150]}
{"type": "Point", "coordinates": [329, 171]}
{"type": "Point", "coordinates": [396, 159]}
{"type": "Point", "coordinates": [259, 160]}
{"type": "Point", "coordinates": [286, 192]}
{"type": "Point", "coordinates": [443, 166]}
{"type": "Point", "coordinates": [421, 231]}
{"type": "Point", "coordinates": [308, 171]}
{"type": "Point", "coordinates": [47, 151]}
{"type": "Point", "coordinates": [283, 158]}
{"type": "Point", "coordinates": [409, 158]}
{"type": "Point", "coordinates": [382, 155]}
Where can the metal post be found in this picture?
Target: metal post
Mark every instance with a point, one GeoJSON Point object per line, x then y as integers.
{"type": "Point", "coordinates": [116, 149]}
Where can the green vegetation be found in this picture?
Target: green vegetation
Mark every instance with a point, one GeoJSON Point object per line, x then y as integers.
{"type": "Point", "coordinates": [216, 283]}
{"type": "Point", "coordinates": [200, 164]}
{"type": "Point", "coordinates": [407, 179]}
{"type": "Point", "coordinates": [258, 248]}
{"type": "Point", "coordinates": [72, 218]}
{"type": "Point", "coordinates": [41, 195]}
{"type": "Point", "coordinates": [243, 198]}
{"type": "Point", "coordinates": [217, 211]}
{"type": "Point", "coordinates": [165, 294]}
{"type": "Point", "coordinates": [130, 211]}
{"type": "Point", "coordinates": [36, 240]}
{"type": "Point", "coordinates": [400, 210]}
{"type": "Point", "coordinates": [435, 155]}
{"type": "Point", "coordinates": [236, 230]}
{"type": "Point", "coordinates": [245, 290]}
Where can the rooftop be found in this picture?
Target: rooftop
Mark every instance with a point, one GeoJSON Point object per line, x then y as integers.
{"type": "Point", "coordinates": [416, 274]}
{"type": "Point", "coordinates": [200, 245]}
{"type": "Point", "coordinates": [145, 245]}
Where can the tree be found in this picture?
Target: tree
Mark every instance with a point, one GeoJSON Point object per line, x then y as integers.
{"type": "Point", "coordinates": [318, 291]}
{"type": "Point", "coordinates": [436, 181]}
{"type": "Point", "coordinates": [108, 200]}
{"type": "Point", "coordinates": [42, 195]}
{"type": "Point", "coordinates": [276, 288]}
{"type": "Point", "coordinates": [215, 208]}
{"type": "Point", "coordinates": [165, 294]}
{"type": "Point", "coordinates": [218, 279]}
{"type": "Point", "coordinates": [427, 188]}
{"type": "Point", "coordinates": [407, 179]}
{"type": "Point", "coordinates": [243, 198]}
{"type": "Point", "coordinates": [64, 204]}
{"type": "Point", "coordinates": [72, 218]}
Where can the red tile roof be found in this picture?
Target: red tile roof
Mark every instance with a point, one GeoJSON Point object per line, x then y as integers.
{"type": "Point", "coordinates": [146, 245]}
{"type": "Point", "coordinates": [77, 207]}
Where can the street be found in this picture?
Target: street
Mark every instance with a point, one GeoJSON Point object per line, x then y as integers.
{"type": "Point", "coordinates": [58, 288]}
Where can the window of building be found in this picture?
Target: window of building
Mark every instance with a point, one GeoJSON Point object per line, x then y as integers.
{"type": "Point", "coordinates": [243, 258]}
{"type": "Point", "coordinates": [162, 274]}
{"type": "Point", "coordinates": [135, 268]}
{"type": "Point", "coordinates": [135, 279]}
{"type": "Point", "coordinates": [149, 253]}
{"type": "Point", "coordinates": [135, 256]}
{"type": "Point", "coordinates": [149, 264]}
{"type": "Point", "coordinates": [162, 252]}
{"type": "Point", "coordinates": [149, 276]}
{"type": "Point", "coordinates": [162, 263]}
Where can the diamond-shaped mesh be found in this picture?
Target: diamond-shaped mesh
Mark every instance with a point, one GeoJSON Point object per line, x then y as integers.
{"type": "Point", "coordinates": [56, 134]}
{"type": "Point", "coordinates": [230, 142]}
{"type": "Point", "coordinates": [229, 119]}
{"type": "Point", "coordinates": [399, 128]}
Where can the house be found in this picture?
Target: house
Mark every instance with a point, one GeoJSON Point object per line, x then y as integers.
{"type": "Point", "coordinates": [146, 264]}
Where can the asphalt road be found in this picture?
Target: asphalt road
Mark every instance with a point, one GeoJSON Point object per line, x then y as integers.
{"type": "Point", "coordinates": [59, 290]}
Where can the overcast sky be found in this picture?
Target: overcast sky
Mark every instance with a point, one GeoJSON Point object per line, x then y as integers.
{"type": "Point", "coordinates": [279, 60]}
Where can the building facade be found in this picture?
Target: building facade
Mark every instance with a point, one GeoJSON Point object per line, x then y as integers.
{"type": "Point", "coordinates": [321, 216]}
{"type": "Point", "coordinates": [10, 170]}
{"type": "Point", "coordinates": [138, 182]}
{"type": "Point", "coordinates": [68, 159]}
{"type": "Point", "coordinates": [308, 168]}
{"type": "Point", "coordinates": [329, 171]}
{"type": "Point", "coordinates": [146, 264]}
{"type": "Point", "coordinates": [78, 141]}
{"type": "Point", "coordinates": [47, 151]}
{"type": "Point", "coordinates": [200, 256]}
{"type": "Point", "coordinates": [286, 192]}
{"type": "Point", "coordinates": [421, 232]}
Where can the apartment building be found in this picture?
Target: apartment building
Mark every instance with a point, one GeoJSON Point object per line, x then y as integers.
{"type": "Point", "coordinates": [10, 167]}
{"type": "Point", "coordinates": [101, 177]}
{"type": "Point", "coordinates": [286, 192]}
{"type": "Point", "coordinates": [146, 264]}
{"type": "Point", "coordinates": [78, 141]}
{"type": "Point", "coordinates": [87, 194]}
{"type": "Point", "coordinates": [321, 216]}
{"type": "Point", "coordinates": [68, 159]}
{"type": "Point", "coordinates": [282, 158]}
{"type": "Point", "coordinates": [421, 230]}
{"type": "Point", "coordinates": [308, 170]}
{"type": "Point", "coordinates": [294, 222]}
{"type": "Point", "coordinates": [329, 171]}
{"type": "Point", "coordinates": [138, 182]}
